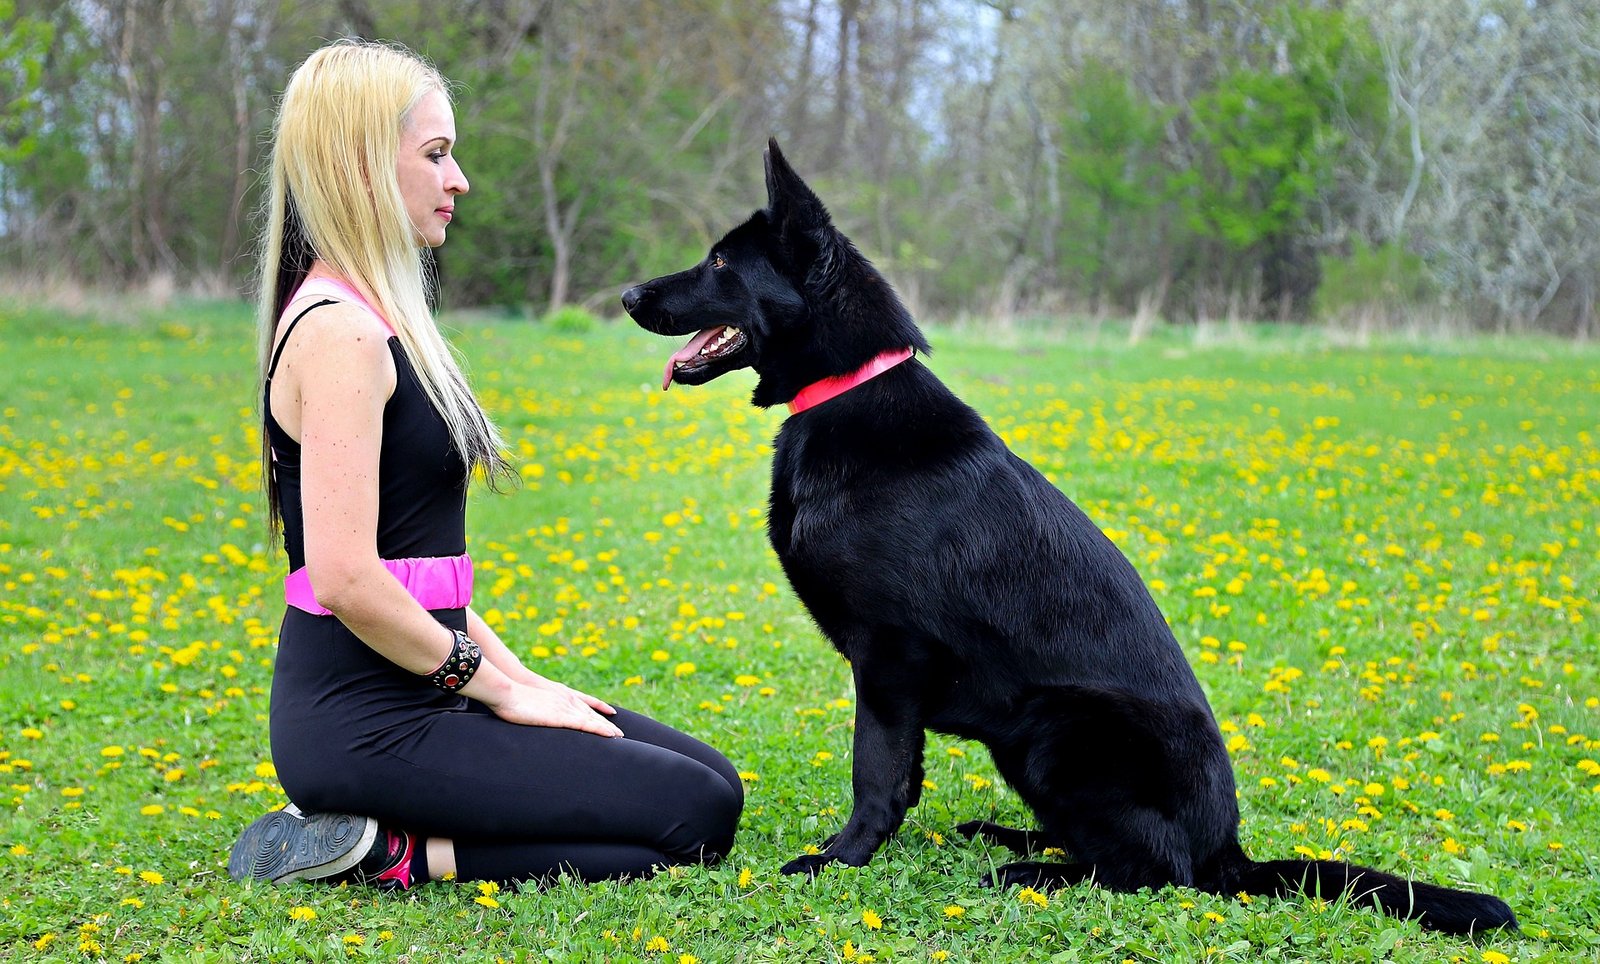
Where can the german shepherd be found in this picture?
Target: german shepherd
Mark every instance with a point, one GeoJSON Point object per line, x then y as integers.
{"type": "Point", "coordinates": [969, 595]}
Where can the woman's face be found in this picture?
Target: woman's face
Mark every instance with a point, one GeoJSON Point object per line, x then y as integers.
{"type": "Point", "coordinates": [427, 171]}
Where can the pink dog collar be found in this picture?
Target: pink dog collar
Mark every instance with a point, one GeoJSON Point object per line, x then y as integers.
{"type": "Point", "coordinates": [818, 392]}
{"type": "Point", "coordinates": [437, 582]}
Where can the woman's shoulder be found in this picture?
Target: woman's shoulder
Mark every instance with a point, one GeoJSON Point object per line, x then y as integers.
{"type": "Point", "coordinates": [347, 298]}
{"type": "Point", "coordinates": [329, 331]}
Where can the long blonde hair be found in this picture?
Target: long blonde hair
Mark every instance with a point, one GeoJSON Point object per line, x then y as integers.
{"type": "Point", "coordinates": [332, 193]}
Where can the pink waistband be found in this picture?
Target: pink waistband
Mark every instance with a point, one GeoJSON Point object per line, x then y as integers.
{"type": "Point", "coordinates": [437, 582]}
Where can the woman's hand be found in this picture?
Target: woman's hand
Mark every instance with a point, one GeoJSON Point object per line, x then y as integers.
{"type": "Point", "coordinates": [594, 702]}
{"type": "Point", "coordinates": [495, 651]}
{"type": "Point", "coordinates": [552, 704]}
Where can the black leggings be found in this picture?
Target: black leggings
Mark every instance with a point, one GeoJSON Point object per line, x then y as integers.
{"type": "Point", "coordinates": [519, 802]}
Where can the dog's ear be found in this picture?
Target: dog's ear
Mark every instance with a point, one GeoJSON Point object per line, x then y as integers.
{"type": "Point", "coordinates": [805, 234]}
{"type": "Point", "coordinates": [790, 201]}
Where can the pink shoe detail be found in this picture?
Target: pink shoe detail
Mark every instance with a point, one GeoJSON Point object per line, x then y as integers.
{"type": "Point", "coordinates": [399, 873]}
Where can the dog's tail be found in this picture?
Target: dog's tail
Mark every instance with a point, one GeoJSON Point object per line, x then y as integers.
{"type": "Point", "coordinates": [1434, 907]}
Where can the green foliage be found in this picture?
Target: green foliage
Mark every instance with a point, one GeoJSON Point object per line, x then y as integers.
{"type": "Point", "coordinates": [569, 320]}
{"type": "Point", "coordinates": [1385, 281]}
{"type": "Point", "coordinates": [1271, 136]}
{"type": "Point", "coordinates": [1175, 159]}
{"type": "Point", "coordinates": [24, 45]}
{"type": "Point", "coordinates": [1262, 130]}
{"type": "Point", "coordinates": [1110, 147]}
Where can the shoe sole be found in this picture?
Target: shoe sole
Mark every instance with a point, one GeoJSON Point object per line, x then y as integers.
{"type": "Point", "coordinates": [283, 846]}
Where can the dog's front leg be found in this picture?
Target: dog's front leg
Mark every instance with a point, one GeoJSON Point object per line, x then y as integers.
{"type": "Point", "coordinates": [886, 773]}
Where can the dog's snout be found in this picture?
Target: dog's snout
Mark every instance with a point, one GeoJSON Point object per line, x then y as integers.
{"type": "Point", "coordinates": [631, 297]}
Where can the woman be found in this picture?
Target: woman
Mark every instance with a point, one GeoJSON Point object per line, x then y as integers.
{"type": "Point", "coordinates": [411, 741]}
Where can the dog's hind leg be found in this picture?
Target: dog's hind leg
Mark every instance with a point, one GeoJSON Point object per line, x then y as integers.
{"type": "Point", "coordinates": [1139, 849]}
{"type": "Point", "coordinates": [1014, 839]}
{"type": "Point", "coordinates": [1104, 776]}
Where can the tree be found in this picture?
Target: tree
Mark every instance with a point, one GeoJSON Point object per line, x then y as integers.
{"type": "Point", "coordinates": [24, 43]}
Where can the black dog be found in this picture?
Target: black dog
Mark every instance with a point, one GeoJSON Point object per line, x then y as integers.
{"type": "Point", "coordinates": [969, 595]}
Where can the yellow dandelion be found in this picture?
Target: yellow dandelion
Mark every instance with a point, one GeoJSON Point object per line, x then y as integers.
{"type": "Point", "coordinates": [871, 919]}
{"type": "Point", "coordinates": [486, 901]}
{"type": "Point", "coordinates": [658, 944]}
{"type": "Point", "coordinates": [955, 910]}
{"type": "Point", "coordinates": [302, 913]}
{"type": "Point", "coordinates": [151, 877]}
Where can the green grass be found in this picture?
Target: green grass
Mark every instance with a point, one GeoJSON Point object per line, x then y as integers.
{"type": "Point", "coordinates": [1381, 562]}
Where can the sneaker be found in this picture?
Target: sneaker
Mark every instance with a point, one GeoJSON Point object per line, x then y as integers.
{"type": "Point", "coordinates": [387, 866]}
{"type": "Point", "coordinates": [290, 845]}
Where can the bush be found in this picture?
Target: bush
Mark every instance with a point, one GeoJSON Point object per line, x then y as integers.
{"type": "Point", "coordinates": [1372, 284]}
{"type": "Point", "coordinates": [570, 320]}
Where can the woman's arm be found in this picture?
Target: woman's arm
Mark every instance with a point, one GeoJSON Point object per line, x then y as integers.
{"type": "Point", "coordinates": [496, 651]}
{"type": "Point", "coordinates": [340, 376]}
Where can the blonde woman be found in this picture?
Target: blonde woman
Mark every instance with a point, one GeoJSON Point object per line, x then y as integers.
{"type": "Point", "coordinates": [410, 739]}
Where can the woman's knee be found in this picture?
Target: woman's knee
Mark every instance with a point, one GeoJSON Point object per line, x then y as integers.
{"type": "Point", "coordinates": [707, 816]}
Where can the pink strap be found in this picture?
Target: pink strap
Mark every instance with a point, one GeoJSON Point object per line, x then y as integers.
{"type": "Point", "coordinates": [341, 291]}
{"type": "Point", "coordinates": [818, 392]}
{"type": "Point", "coordinates": [437, 582]}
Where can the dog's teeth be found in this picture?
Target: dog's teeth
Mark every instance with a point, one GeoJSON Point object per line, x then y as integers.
{"type": "Point", "coordinates": [718, 342]}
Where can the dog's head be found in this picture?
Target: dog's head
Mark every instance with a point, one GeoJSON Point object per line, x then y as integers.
{"type": "Point", "coordinates": [784, 293]}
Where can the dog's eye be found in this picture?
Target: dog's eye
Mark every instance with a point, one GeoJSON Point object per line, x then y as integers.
{"type": "Point", "coordinates": [717, 262]}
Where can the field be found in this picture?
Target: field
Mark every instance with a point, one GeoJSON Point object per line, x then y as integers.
{"type": "Point", "coordinates": [1381, 562]}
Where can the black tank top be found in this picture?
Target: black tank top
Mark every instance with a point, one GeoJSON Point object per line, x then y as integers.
{"type": "Point", "coordinates": [422, 480]}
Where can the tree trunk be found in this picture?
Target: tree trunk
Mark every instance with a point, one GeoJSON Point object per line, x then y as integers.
{"type": "Point", "coordinates": [848, 11]}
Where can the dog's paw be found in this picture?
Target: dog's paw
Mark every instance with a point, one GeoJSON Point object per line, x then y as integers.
{"type": "Point", "coordinates": [1016, 875]}
{"type": "Point", "coordinates": [808, 864]}
{"type": "Point", "coordinates": [974, 828]}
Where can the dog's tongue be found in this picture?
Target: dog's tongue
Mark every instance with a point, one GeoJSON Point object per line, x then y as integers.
{"type": "Point", "coordinates": [687, 352]}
